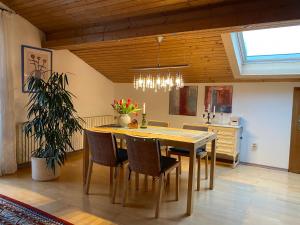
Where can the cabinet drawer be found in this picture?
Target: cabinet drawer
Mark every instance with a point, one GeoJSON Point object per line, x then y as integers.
{"type": "Point", "coordinates": [222, 148]}
{"type": "Point", "coordinates": [229, 132]}
{"type": "Point", "coordinates": [225, 141]}
{"type": "Point", "coordinates": [226, 151]}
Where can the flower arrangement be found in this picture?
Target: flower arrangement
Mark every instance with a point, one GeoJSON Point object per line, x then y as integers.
{"type": "Point", "coordinates": [123, 106]}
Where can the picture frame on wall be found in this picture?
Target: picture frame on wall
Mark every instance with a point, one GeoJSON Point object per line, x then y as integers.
{"type": "Point", "coordinates": [35, 62]}
{"type": "Point", "coordinates": [219, 97]}
{"type": "Point", "coordinates": [183, 101]}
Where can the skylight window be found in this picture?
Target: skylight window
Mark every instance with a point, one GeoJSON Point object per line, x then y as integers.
{"type": "Point", "coordinates": [275, 44]}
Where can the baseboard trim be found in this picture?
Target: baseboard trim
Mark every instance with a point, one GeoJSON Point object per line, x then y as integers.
{"type": "Point", "coordinates": [264, 166]}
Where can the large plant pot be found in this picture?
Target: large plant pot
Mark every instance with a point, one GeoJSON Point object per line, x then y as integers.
{"type": "Point", "coordinates": [124, 120]}
{"type": "Point", "coordinates": [40, 171]}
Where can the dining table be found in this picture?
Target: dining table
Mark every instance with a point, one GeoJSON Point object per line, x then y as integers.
{"type": "Point", "coordinates": [190, 140]}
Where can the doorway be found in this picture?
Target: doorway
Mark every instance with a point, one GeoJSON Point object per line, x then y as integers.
{"type": "Point", "coordinates": [294, 163]}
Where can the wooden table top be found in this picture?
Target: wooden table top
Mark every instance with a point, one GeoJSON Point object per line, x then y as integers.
{"type": "Point", "coordinates": [163, 133]}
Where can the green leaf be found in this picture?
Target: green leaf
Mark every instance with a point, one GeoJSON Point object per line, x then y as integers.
{"type": "Point", "coordinates": [52, 118]}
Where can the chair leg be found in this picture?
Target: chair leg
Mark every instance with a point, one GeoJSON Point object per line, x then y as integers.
{"type": "Point", "coordinates": [179, 159]}
{"type": "Point", "coordinates": [177, 183]}
{"type": "Point", "coordinates": [168, 175]}
{"type": "Point", "coordinates": [198, 173]}
{"type": "Point", "coordinates": [146, 182]}
{"type": "Point", "coordinates": [159, 196]}
{"type": "Point", "coordinates": [125, 186]}
{"type": "Point", "coordinates": [167, 151]}
{"type": "Point", "coordinates": [115, 184]}
{"type": "Point", "coordinates": [87, 185]}
{"type": "Point", "coordinates": [137, 181]}
{"type": "Point", "coordinates": [153, 183]}
{"type": "Point", "coordinates": [111, 176]}
{"type": "Point", "coordinates": [168, 179]}
{"type": "Point", "coordinates": [206, 167]}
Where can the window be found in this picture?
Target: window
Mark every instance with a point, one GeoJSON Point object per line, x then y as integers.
{"type": "Point", "coordinates": [267, 45]}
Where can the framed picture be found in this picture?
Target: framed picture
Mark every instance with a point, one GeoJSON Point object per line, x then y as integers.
{"type": "Point", "coordinates": [220, 97]}
{"type": "Point", "coordinates": [183, 101]}
{"type": "Point", "coordinates": [35, 62]}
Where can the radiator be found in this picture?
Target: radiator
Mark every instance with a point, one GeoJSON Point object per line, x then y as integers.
{"type": "Point", "coordinates": [27, 145]}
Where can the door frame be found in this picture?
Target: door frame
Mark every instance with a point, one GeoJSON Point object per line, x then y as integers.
{"type": "Point", "coordinates": [292, 126]}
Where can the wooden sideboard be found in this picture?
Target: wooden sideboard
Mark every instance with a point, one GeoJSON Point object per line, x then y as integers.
{"type": "Point", "coordinates": [228, 141]}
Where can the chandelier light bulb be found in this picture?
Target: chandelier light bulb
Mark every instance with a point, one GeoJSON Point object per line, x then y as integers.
{"type": "Point", "coordinates": [159, 80]}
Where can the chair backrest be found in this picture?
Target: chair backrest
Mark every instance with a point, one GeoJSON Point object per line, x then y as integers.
{"type": "Point", "coordinates": [158, 123]}
{"type": "Point", "coordinates": [102, 147]}
{"type": "Point", "coordinates": [143, 155]}
{"type": "Point", "coordinates": [195, 127]}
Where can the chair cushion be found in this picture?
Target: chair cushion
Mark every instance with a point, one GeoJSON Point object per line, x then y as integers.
{"type": "Point", "coordinates": [122, 155]}
{"type": "Point", "coordinates": [200, 151]}
{"type": "Point", "coordinates": [166, 163]}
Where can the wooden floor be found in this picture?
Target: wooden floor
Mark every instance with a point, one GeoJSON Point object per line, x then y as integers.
{"type": "Point", "coordinates": [245, 195]}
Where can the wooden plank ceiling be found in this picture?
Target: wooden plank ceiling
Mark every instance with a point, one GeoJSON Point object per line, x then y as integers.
{"type": "Point", "coordinates": [114, 36]}
{"type": "Point", "coordinates": [55, 15]}
{"type": "Point", "coordinates": [204, 52]}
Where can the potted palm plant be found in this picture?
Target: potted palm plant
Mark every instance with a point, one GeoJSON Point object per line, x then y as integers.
{"type": "Point", "coordinates": [52, 122]}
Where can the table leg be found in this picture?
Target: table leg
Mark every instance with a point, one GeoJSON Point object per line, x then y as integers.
{"type": "Point", "coordinates": [191, 181]}
{"type": "Point", "coordinates": [212, 164]}
{"type": "Point", "coordinates": [85, 157]}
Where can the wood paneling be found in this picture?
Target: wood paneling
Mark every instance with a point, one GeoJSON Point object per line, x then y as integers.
{"type": "Point", "coordinates": [115, 35]}
{"type": "Point", "coordinates": [227, 14]}
{"type": "Point", "coordinates": [53, 15]}
{"type": "Point", "coordinates": [203, 51]}
{"type": "Point", "coordinates": [69, 22]}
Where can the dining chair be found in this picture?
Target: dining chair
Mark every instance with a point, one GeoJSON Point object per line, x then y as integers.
{"type": "Point", "coordinates": [144, 157]}
{"type": "Point", "coordinates": [200, 153]}
{"type": "Point", "coordinates": [158, 123]}
{"type": "Point", "coordinates": [104, 151]}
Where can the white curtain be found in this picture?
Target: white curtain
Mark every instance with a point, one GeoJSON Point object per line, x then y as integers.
{"type": "Point", "coordinates": [7, 118]}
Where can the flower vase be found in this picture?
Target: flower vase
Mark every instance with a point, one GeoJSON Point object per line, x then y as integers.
{"type": "Point", "coordinates": [124, 120]}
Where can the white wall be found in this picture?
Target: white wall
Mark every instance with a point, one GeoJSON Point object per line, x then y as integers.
{"type": "Point", "coordinates": [24, 33]}
{"type": "Point", "coordinates": [94, 91]}
{"type": "Point", "coordinates": [265, 108]}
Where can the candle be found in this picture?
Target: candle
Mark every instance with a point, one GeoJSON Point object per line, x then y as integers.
{"type": "Point", "coordinates": [144, 108]}
{"type": "Point", "coordinates": [209, 109]}
{"type": "Point", "coordinates": [214, 110]}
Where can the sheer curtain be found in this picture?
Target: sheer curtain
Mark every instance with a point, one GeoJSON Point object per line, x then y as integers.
{"type": "Point", "coordinates": [7, 117]}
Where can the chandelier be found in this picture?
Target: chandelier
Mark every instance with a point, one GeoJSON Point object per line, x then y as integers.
{"type": "Point", "coordinates": [159, 77]}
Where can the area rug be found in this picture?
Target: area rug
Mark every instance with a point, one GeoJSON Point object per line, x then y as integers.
{"type": "Point", "coordinates": [13, 212]}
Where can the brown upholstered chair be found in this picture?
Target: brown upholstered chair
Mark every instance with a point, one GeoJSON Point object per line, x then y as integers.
{"type": "Point", "coordinates": [104, 151]}
{"type": "Point", "coordinates": [154, 123]}
{"type": "Point", "coordinates": [159, 124]}
{"type": "Point", "coordinates": [145, 158]}
{"type": "Point", "coordinates": [201, 153]}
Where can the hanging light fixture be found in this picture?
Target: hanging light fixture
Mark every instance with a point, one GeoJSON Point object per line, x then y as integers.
{"type": "Point", "coordinates": [159, 77]}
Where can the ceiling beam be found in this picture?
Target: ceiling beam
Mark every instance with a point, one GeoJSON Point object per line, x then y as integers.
{"type": "Point", "coordinates": [228, 14]}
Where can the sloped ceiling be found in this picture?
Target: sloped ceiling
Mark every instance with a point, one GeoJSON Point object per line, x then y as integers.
{"type": "Point", "coordinates": [114, 36]}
